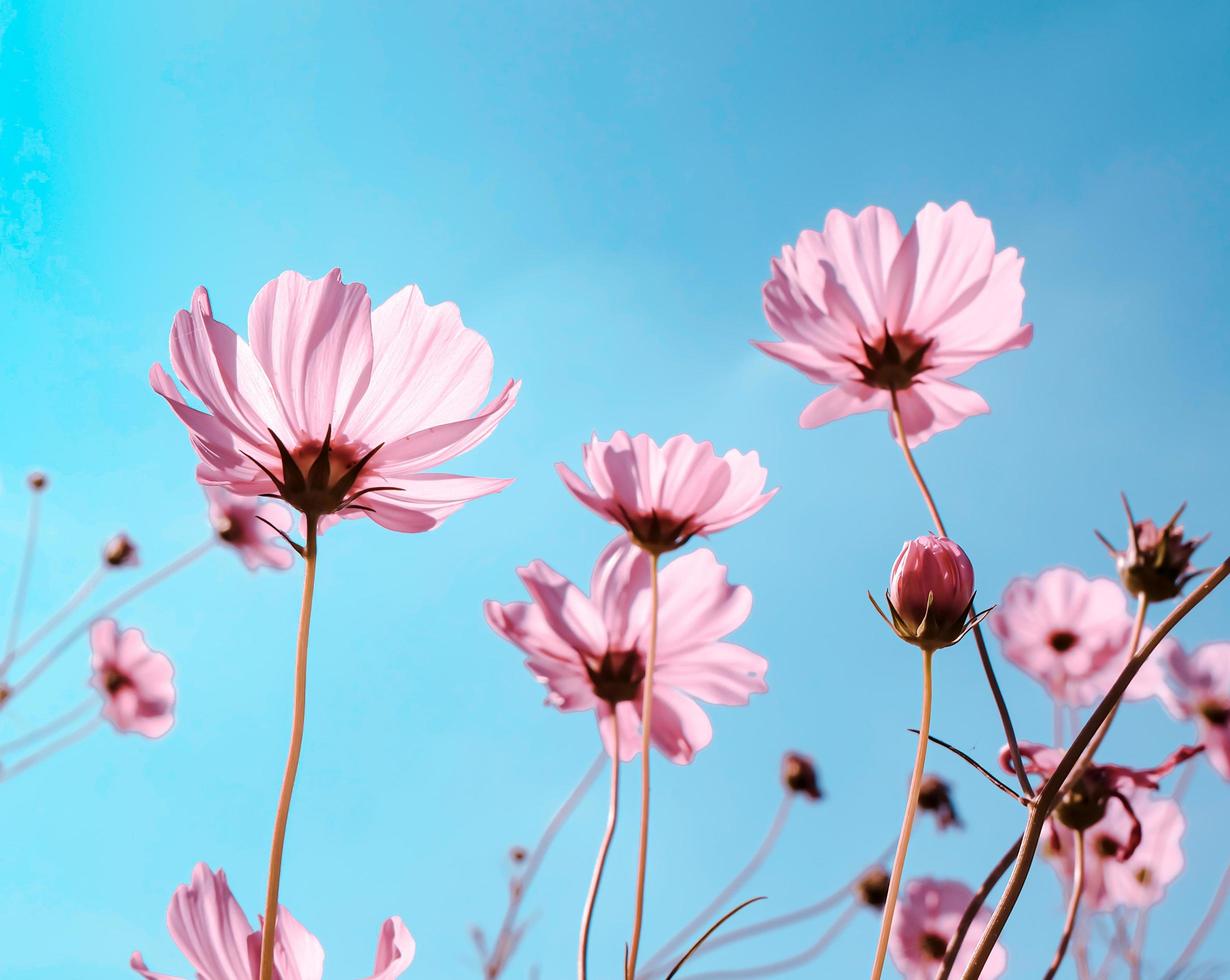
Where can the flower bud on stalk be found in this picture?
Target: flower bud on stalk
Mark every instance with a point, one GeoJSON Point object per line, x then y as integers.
{"type": "Point", "coordinates": [931, 593]}
{"type": "Point", "coordinates": [120, 552]}
{"type": "Point", "coordinates": [37, 481]}
{"type": "Point", "coordinates": [800, 777]}
{"type": "Point", "coordinates": [872, 888]}
{"type": "Point", "coordinates": [1157, 560]}
{"type": "Point", "coordinates": [935, 796]}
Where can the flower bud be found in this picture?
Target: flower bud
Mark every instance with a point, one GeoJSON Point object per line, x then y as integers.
{"type": "Point", "coordinates": [120, 552]}
{"type": "Point", "coordinates": [37, 481]}
{"type": "Point", "coordinates": [931, 593]}
{"type": "Point", "coordinates": [1157, 560]}
{"type": "Point", "coordinates": [517, 854]}
{"type": "Point", "coordinates": [935, 796]}
{"type": "Point", "coordinates": [873, 888]}
{"type": "Point", "coordinates": [799, 776]}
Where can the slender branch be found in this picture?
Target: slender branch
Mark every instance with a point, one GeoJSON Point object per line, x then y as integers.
{"type": "Point", "coordinates": [292, 755]}
{"type": "Point", "coordinates": [992, 681]}
{"type": "Point", "coordinates": [709, 932]}
{"type": "Point", "coordinates": [907, 823]}
{"type": "Point", "coordinates": [506, 939]}
{"type": "Point", "coordinates": [1050, 793]}
{"type": "Point", "coordinates": [737, 882]}
{"type": "Point", "coordinates": [37, 734]}
{"type": "Point", "coordinates": [84, 590]}
{"type": "Point", "coordinates": [975, 906]}
{"type": "Point", "coordinates": [23, 574]}
{"type": "Point", "coordinates": [974, 762]}
{"type": "Point", "coordinates": [600, 864]}
{"type": "Point", "coordinates": [1074, 904]}
{"type": "Point", "coordinates": [8, 772]}
{"type": "Point", "coordinates": [799, 959]}
{"type": "Point", "coordinates": [1138, 626]}
{"type": "Point", "coordinates": [1203, 929]}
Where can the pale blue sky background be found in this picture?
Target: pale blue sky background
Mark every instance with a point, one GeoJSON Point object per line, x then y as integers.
{"type": "Point", "coordinates": [600, 187]}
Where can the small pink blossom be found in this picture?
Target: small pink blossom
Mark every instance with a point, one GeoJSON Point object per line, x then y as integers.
{"type": "Point", "coordinates": [590, 651]}
{"type": "Point", "coordinates": [869, 311]}
{"type": "Point", "coordinates": [1201, 692]}
{"type": "Point", "coordinates": [250, 528]}
{"type": "Point", "coordinates": [927, 919]}
{"type": "Point", "coordinates": [663, 495]}
{"type": "Point", "coordinates": [931, 592]}
{"type": "Point", "coordinates": [134, 681]}
{"type": "Point", "coordinates": [337, 408]}
{"type": "Point", "coordinates": [212, 932]}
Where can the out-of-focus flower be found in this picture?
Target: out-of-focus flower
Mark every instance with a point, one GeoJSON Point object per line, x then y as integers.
{"type": "Point", "coordinates": [872, 888]}
{"type": "Point", "coordinates": [871, 312]}
{"type": "Point", "coordinates": [1061, 629]}
{"type": "Point", "coordinates": [334, 407]}
{"type": "Point", "coordinates": [664, 495]}
{"type": "Point", "coordinates": [1202, 694]}
{"type": "Point", "coordinates": [37, 481]}
{"type": "Point", "coordinates": [927, 919]}
{"type": "Point", "coordinates": [1157, 560]}
{"type": "Point", "coordinates": [931, 593]}
{"type": "Point", "coordinates": [800, 777]}
{"type": "Point", "coordinates": [211, 930]}
{"type": "Point", "coordinates": [935, 797]}
{"type": "Point", "coordinates": [590, 651]}
{"type": "Point", "coordinates": [135, 682]}
{"type": "Point", "coordinates": [120, 552]}
{"type": "Point", "coordinates": [253, 529]}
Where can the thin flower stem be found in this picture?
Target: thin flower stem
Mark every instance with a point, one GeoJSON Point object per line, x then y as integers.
{"type": "Point", "coordinates": [37, 734]}
{"type": "Point", "coordinates": [979, 767]}
{"type": "Point", "coordinates": [992, 681]}
{"type": "Point", "coordinates": [506, 939]}
{"type": "Point", "coordinates": [23, 574]}
{"type": "Point", "coordinates": [1138, 626]}
{"type": "Point", "coordinates": [799, 959]}
{"type": "Point", "coordinates": [907, 823]}
{"type": "Point", "coordinates": [8, 772]}
{"type": "Point", "coordinates": [1051, 791]}
{"type": "Point", "coordinates": [646, 722]}
{"type": "Point", "coordinates": [1203, 929]}
{"type": "Point", "coordinates": [84, 590]}
{"type": "Point", "coordinates": [1074, 904]}
{"type": "Point", "coordinates": [292, 756]}
{"type": "Point", "coordinates": [975, 905]}
{"type": "Point", "coordinates": [600, 864]}
{"type": "Point", "coordinates": [737, 882]}
{"type": "Point", "coordinates": [160, 575]}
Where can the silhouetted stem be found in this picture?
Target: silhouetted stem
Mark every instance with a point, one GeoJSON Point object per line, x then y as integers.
{"type": "Point", "coordinates": [292, 756]}
{"type": "Point", "coordinates": [975, 905]}
{"type": "Point", "coordinates": [8, 772]}
{"type": "Point", "coordinates": [1074, 904]}
{"type": "Point", "coordinates": [600, 864]}
{"type": "Point", "coordinates": [37, 734]}
{"type": "Point", "coordinates": [1051, 791]}
{"type": "Point", "coordinates": [23, 575]}
{"type": "Point", "coordinates": [799, 959]}
{"type": "Point", "coordinates": [1202, 930]}
{"type": "Point", "coordinates": [907, 823]}
{"type": "Point", "coordinates": [646, 722]}
{"type": "Point", "coordinates": [1138, 627]}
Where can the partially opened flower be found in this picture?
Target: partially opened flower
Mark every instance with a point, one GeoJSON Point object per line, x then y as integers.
{"type": "Point", "coordinates": [134, 681]}
{"type": "Point", "coordinates": [930, 911]}
{"type": "Point", "coordinates": [664, 495]}
{"type": "Point", "coordinates": [879, 315]}
{"type": "Point", "coordinates": [1157, 560]}
{"type": "Point", "coordinates": [1062, 628]}
{"type": "Point", "coordinates": [211, 930]}
{"type": "Point", "coordinates": [1201, 692]}
{"type": "Point", "coordinates": [590, 651]}
{"type": "Point", "coordinates": [337, 408]}
{"type": "Point", "coordinates": [254, 530]}
{"type": "Point", "coordinates": [930, 593]}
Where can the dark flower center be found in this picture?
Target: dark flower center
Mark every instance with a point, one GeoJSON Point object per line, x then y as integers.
{"type": "Point", "coordinates": [318, 478]}
{"type": "Point", "coordinates": [1107, 846]}
{"type": "Point", "coordinates": [1214, 713]}
{"type": "Point", "coordinates": [933, 945]}
{"type": "Point", "coordinates": [114, 681]}
{"type": "Point", "coordinates": [230, 531]}
{"type": "Point", "coordinates": [618, 676]}
{"type": "Point", "coordinates": [894, 361]}
{"type": "Point", "coordinates": [1144, 876]}
{"type": "Point", "coordinates": [658, 533]}
{"type": "Point", "coordinates": [1063, 640]}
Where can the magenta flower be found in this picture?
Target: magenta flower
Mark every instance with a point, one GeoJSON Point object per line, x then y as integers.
{"type": "Point", "coordinates": [134, 681]}
{"type": "Point", "coordinates": [1062, 629]}
{"type": "Point", "coordinates": [872, 313]}
{"type": "Point", "coordinates": [215, 936]}
{"type": "Point", "coordinates": [663, 495]}
{"type": "Point", "coordinates": [931, 593]}
{"type": "Point", "coordinates": [1203, 694]}
{"type": "Point", "coordinates": [590, 651]}
{"type": "Point", "coordinates": [930, 912]}
{"type": "Point", "coordinates": [337, 408]}
{"type": "Point", "coordinates": [254, 530]}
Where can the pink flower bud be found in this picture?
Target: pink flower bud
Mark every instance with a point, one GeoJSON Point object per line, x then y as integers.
{"type": "Point", "coordinates": [120, 552]}
{"type": "Point", "coordinates": [931, 592]}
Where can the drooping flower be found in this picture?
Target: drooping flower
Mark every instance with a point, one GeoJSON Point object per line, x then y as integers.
{"type": "Point", "coordinates": [931, 593]}
{"type": "Point", "coordinates": [1201, 692]}
{"type": "Point", "coordinates": [211, 930]}
{"type": "Point", "coordinates": [800, 777]}
{"type": "Point", "coordinates": [120, 551]}
{"type": "Point", "coordinates": [1061, 629]}
{"type": "Point", "coordinates": [135, 682]}
{"type": "Point", "coordinates": [927, 919]}
{"type": "Point", "coordinates": [664, 495]}
{"type": "Point", "coordinates": [250, 528]}
{"type": "Point", "coordinates": [590, 651]}
{"type": "Point", "coordinates": [871, 312]}
{"type": "Point", "coordinates": [1157, 560]}
{"type": "Point", "coordinates": [337, 408]}
{"type": "Point", "coordinates": [935, 797]}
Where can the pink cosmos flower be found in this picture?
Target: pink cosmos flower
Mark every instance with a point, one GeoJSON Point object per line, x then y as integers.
{"type": "Point", "coordinates": [251, 528]}
{"type": "Point", "coordinates": [926, 920]}
{"type": "Point", "coordinates": [1061, 629]}
{"type": "Point", "coordinates": [663, 495]}
{"type": "Point", "coordinates": [1202, 681]}
{"type": "Point", "coordinates": [336, 408]}
{"type": "Point", "coordinates": [215, 936]}
{"type": "Point", "coordinates": [134, 681]}
{"type": "Point", "coordinates": [590, 651]}
{"type": "Point", "coordinates": [869, 311]}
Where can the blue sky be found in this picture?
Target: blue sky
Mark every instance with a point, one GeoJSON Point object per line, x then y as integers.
{"type": "Point", "coordinates": [600, 187]}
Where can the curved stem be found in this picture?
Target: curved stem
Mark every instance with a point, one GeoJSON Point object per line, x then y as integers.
{"type": "Point", "coordinates": [596, 880]}
{"type": "Point", "coordinates": [1050, 793]}
{"type": "Point", "coordinates": [37, 734]}
{"type": "Point", "coordinates": [975, 905]}
{"type": "Point", "coordinates": [23, 575]}
{"type": "Point", "coordinates": [737, 882]}
{"type": "Point", "coordinates": [1074, 904]}
{"type": "Point", "coordinates": [799, 959]}
{"type": "Point", "coordinates": [292, 756]}
{"type": "Point", "coordinates": [8, 772]}
{"type": "Point", "coordinates": [1138, 626]}
{"type": "Point", "coordinates": [505, 941]}
{"type": "Point", "coordinates": [992, 681]}
{"type": "Point", "coordinates": [1203, 929]}
{"type": "Point", "coordinates": [646, 723]}
{"type": "Point", "coordinates": [907, 824]}
{"type": "Point", "coordinates": [55, 619]}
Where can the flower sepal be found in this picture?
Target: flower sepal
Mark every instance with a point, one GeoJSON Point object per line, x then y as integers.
{"type": "Point", "coordinates": [932, 632]}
